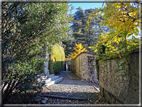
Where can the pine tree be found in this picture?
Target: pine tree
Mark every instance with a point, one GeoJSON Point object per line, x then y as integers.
{"type": "Point", "coordinates": [80, 33]}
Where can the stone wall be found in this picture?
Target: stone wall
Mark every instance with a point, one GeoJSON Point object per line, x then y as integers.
{"type": "Point", "coordinates": [73, 67]}
{"type": "Point", "coordinates": [116, 87]}
{"type": "Point", "coordinates": [76, 66]}
{"type": "Point", "coordinates": [83, 67]}
{"type": "Point", "coordinates": [92, 69]}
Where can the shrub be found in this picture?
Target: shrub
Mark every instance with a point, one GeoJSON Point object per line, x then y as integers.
{"type": "Point", "coordinates": [57, 59]}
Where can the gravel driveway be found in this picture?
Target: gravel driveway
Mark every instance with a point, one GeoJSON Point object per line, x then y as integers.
{"type": "Point", "coordinates": [71, 86]}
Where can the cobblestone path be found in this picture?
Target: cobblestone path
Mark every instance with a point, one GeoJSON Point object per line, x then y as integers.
{"type": "Point", "coordinates": [71, 86]}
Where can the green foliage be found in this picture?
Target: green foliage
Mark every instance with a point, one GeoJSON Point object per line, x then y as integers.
{"type": "Point", "coordinates": [58, 67]}
{"type": "Point", "coordinates": [86, 36]}
{"type": "Point", "coordinates": [57, 59]}
{"type": "Point", "coordinates": [55, 67]}
{"type": "Point", "coordinates": [27, 31]}
{"type": "Point", "coordinates": [68, 46]}
{"type": "Point", "coordinates": [57, 53]}
{"type": "Point", "coordinates": [123, 21]}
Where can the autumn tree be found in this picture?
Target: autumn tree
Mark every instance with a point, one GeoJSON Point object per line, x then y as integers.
{"type": "Point", "coordinates": [123, 21]}
{"type": "Point", "coordinates": [81, 35]}
{"type": "Point", "coordinates": [77, 50]}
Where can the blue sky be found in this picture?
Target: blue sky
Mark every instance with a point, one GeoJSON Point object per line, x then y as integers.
{"type": "Point", "coordinates": [85, 6]}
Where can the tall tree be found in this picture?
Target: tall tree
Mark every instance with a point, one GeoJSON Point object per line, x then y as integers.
{"type": "Point", "coordinates": [27, 29]}
{"type": "Point", "coordinates": [123, 20]}
{"type": "Point", "coordinates": [77, 50]}
{"type": "Point", "coordinates": [79, 26]}
{"type": "Point", "coordinates": [68, 46]}
{"type": "Point", "coordinates": [95, 28]}
{"type": "Point", "coordinates": [80, 33]}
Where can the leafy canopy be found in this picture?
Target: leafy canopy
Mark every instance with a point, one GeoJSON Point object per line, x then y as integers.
{"type": "Point", "coordinates": [123, 21]}
{"type": "Point", "coordinates": [27, 30]}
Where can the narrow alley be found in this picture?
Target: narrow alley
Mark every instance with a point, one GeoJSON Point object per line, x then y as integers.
{"type": "Point", "coordinates": [71, 89]}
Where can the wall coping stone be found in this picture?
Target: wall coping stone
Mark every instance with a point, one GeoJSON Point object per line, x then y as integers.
{"type": "Point", "coordinates": [86, 53]}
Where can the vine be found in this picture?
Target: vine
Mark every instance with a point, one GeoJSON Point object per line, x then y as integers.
{"type": "Point", "coordinates": [123, 21]}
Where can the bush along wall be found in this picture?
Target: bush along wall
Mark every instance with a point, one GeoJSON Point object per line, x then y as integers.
{"type": "Point", "coordinates": [57, 58]}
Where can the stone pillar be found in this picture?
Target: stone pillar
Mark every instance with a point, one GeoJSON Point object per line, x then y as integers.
{"type": "Point", "coordinates": [66, 65]}
{"type": "Point", "coordinates": [46, 63]}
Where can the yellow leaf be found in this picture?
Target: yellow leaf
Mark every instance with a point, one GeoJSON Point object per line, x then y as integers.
{"type": "Point", "coordinates": [78, 49]}
{"type": "Point", "coordinates": [119, 55]}
{"type": "Point", "coordinates": [136, 29]}
{"type": "Point", "coordinates": [95, 50]}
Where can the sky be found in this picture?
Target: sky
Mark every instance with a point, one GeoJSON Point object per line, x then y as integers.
{"type": "Point", "coordinates": [85, 6]}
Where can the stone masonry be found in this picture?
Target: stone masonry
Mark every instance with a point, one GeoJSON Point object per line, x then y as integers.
{"type": "Point", "coordinates": [83, 66]}
{"type": "Point", "coordinates": [117, 87]}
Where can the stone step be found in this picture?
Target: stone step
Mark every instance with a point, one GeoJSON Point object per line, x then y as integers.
{"type": "Point", "coordinates": [49, 83]}
{"type": "Point", "coordinates": [54, 81]}
{"type": "Point", "coordinates": [44, 77]}
{"type": "Point", "coordinates": [59, 80]}
{"type": "Point", "coordinates": [51, 79]}
{"type": "Point", "coordinates": [51, 75]}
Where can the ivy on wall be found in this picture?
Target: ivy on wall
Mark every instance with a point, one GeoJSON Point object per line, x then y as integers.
{"type": "Point", "coordinates": [57, 58]}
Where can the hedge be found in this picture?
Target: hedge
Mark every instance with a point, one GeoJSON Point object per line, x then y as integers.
{"type": "Point", "coordinates": [57, 58]}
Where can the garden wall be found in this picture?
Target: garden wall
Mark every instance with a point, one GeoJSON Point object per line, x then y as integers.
{"type": "Point", "coordinates": [116, 88]}
{"type": "Point", "coordinates": [83, 66]}
{"type": "Point", "coordinates": [76, 66]}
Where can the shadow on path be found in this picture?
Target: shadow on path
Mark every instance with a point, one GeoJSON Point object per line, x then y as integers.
{"type": "Point", "coordinates": [72, 86]}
